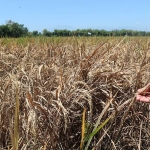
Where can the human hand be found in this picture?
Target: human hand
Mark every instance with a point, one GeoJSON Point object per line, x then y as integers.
{"type": "Point", "coordinates": [143, 94]}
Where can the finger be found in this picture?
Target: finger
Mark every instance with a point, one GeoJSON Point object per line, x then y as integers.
{"type": "Point", "coordinates": [138, 97]}
{"type": "Point", "coordinates": [143, 99]}
{"type": "Point", "coordinates": [140, 90]}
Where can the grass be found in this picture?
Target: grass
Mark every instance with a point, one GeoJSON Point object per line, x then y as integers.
{"type": "Point", "coordinates": [47, 83]}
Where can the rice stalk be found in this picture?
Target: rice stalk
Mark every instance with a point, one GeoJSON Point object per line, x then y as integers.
{"type": "Point", "coordinates": [83, 130]}
{"type": "Point", "coordinates": [15, 134]}
{"type": "Point", "coordinates": [96, 128]}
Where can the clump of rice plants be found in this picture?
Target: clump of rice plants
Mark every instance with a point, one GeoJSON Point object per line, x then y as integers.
{"type": "Point", "coordinates": [57, 78]}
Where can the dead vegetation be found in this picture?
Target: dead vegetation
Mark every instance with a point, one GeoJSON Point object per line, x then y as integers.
{"type": "Point", "coordinates": [57, 78]}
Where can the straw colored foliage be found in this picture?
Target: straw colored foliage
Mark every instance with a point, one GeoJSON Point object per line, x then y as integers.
{"type": "Point", "coordinates": [57, 78]}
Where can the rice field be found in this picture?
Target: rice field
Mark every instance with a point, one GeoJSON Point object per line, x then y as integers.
{"type": "Point", "coordinates": [74, 93]}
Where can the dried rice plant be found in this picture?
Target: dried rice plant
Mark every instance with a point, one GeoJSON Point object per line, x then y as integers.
{"type": "Point", "coordinates": [58, 78]}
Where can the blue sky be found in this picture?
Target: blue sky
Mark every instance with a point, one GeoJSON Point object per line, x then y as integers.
{"type": "Point", "coordinates": [74, 14]}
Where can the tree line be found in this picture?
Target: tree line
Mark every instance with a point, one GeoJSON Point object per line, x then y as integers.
{"type": "Point", "coordinates": [14, 29]}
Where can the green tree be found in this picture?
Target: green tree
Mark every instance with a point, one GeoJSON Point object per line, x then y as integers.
{"type": "Point", "coordinates": [4, 31]}
{"type": "Point", "coordinates": [16, 30]}
{"type": "Point", "coordinates": [35, 33]}
{"type": "Point", "coordinates": [46, 32]}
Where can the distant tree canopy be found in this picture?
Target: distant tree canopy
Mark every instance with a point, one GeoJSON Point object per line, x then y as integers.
{"type": "Point", "coordinates": [94, 32]}
{"type": "Point", "coordinates": [14, 29]}
{"type": "Point", "coordinates": [46, 32]}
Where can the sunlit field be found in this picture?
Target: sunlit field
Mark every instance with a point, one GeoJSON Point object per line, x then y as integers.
{"type": "Point", "coordinates": [64, 93]}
